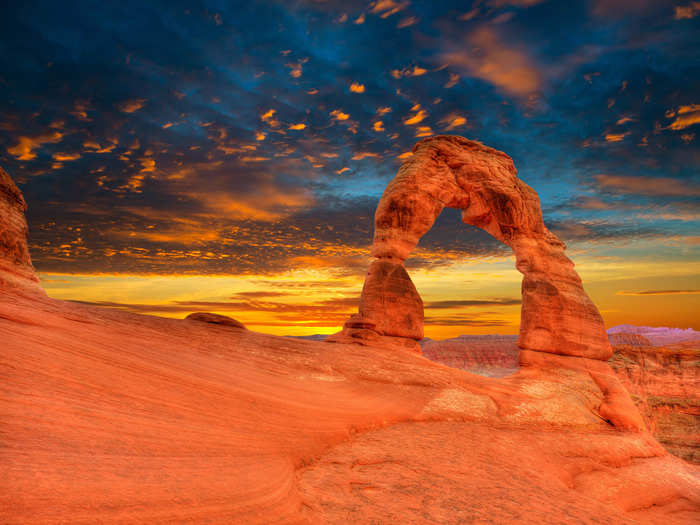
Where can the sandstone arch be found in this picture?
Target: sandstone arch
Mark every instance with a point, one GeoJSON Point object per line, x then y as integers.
{"type": "Point", "coordinates": [557, 315]}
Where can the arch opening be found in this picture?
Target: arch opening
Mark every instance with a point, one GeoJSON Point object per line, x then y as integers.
{"type": "Point", "coordinates": [557, 316]}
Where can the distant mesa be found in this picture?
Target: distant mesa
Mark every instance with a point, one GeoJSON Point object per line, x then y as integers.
{"type": "Point", "coordinates": [657, 335]}
{"type": "Point", "coordinates": [557, 315]}
{"type": "Point", "coordinates": [623, 338]}
{"type": "Point", "coordinates": [15, 263]}
{"type": "Point", "coordinates": [206, 317]}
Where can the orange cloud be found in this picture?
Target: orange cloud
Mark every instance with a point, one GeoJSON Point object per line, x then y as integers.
{"type": "Point", "coordinates": [660, 292]}
{"type": "Point", "coordinates": [407, 22]}
{"type": "Point", "coordinates": [423, 131]}
{"type": "Point", "coordinates": [360, 19]}
{"type": "Point", "coordinates": [452, 82]}
{"type": "Point", "coordinates": [378, 126]}
{"type": "Point", "coordinates": [414, 71]}
{"type": "Point", "coordinates": [357, 88]}
{"type": "Point", "coordinates": [260, 135]}
{"type": "Point", "coordinates": [685, 116]}
{"type": "Point", "coordinates": [269, 118]}
{"type": "Point", "coordinates": [616, 137]}
{"type": "Point", "coordinates": [415, 119]}
{"type": "Point", "coordinates": [647, 185]}
{"type": "Point", "coordinates": [687, 11]}
{"type": "Point", "coordinates": [299, 126]}
{"type": "Point", "coordinates": [383, 111]}
{"type": "Point", "coordinates": [296, 69]}
{"type": "Point", "coordinates": [386, 8]}
{"type": "Point", "coordinates": [130, 106]}
{"type": "Point", "coordinates": [364, 154]}
{"type": "Point", "coordinates": [24, 149]}
{"type": "Point", "coordinates": [453, 121]}
{"type": "Point", "coordinates": [488, 57]}
{"type": "Point", "coordinates": [337, 114]}
{"type": "Point", "coordinates": [64, 157]}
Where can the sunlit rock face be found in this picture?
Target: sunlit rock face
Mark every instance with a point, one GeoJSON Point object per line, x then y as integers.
{"type": "Point", "coordinates": [446, 171]}
{"type": "Point", "coordinates": [664, 383]}
{"type": "Point", "coordinates": [15, 263]}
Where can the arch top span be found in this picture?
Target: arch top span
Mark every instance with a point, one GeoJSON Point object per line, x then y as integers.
{"type": "Point", "coordinates": [557, 315]}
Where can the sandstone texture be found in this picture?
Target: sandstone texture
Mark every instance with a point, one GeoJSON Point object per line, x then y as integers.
{"type": "Point", "coordinates": [223, 320]}
{"type": "Point", "coordinates": [15, 263]}
{"type": "Point", "coordinates": [557, 315]}
{"type": "Point", "coordinates": [663, 381]}
{"type": "Point", "coordinates": [665, 385]}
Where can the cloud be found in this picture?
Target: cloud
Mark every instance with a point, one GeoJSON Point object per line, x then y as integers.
{"type": "Point", "coordinates": [356, 87]}
{"type": "Point", "coordinates": [453, 121]}
{"type": "Point", "coordinates": [414, 71]}
{"type": "Point", "coordinates": [420, 115]}
{"type": "Point", "coordinates": [652, 186]}
{"type": "Point", "coordinates": [386, 8]}
{"type": "Point", "coordinates": [339, 115]}
{"type": "Point", "coordinates": [132, 105]}
{"type": "Point", "coordinates": [659, 292]}
{"type": "Point", "coordinates": [487, 56]}
{"type": "Point", "coordinates": [687, 11]}
{"type": "Point", "coordinates": [438, 305]}
{"type": "Point", "coordinates": [26, 146]}
{"type": "Point", "coordinates": [616, 137]}
{"type": "Point", "coordinates": [407, 22]}
{"type": "Point", "coordinates": [685, 116]}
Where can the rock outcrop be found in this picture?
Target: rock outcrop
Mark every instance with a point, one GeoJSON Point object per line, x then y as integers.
{"type": "Point", "coordinates": [664, 382]}
{"type": "Point", "coordinates": [15, 263]}
{"type": "Point", "coordinates": [223, 320]}
{"type": "Point", "coordinates": [445, 171]}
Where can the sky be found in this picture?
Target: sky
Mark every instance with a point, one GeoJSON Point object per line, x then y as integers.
{"type": "Point", "coordinates": [228, 156]}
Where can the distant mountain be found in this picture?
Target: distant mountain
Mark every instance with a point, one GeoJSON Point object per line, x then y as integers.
{"type": "Point", "coordinates": [657, 335]}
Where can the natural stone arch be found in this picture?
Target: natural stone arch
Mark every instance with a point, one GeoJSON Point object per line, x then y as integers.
{"type": "Point", "coordinates": [557, 315]}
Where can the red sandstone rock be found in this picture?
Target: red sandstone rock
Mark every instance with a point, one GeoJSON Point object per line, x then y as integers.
{"type": "Point", "coordinates": [445, 171]}
{"type": "Point", "coordinates": [15, 263]}
{"type": "Point", "coordinates": [664, 383]}
{"type": "Point", "coordinates": [224, 320]}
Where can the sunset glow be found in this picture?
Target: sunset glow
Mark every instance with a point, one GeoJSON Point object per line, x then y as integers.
{"type": "Point", "coordinates": [229, 159]}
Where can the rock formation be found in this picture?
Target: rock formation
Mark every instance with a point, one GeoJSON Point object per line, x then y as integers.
{"type": "Point", "coordinates": [446, 171]}
{"type": "Point", "coordinates": [112, 417]}
{"type": "Point", "coordinates": [15, 263]}
{"type": "Point", "coordinates": [223, 320]}
{"type": "Point", "coordinates": [664, 383]}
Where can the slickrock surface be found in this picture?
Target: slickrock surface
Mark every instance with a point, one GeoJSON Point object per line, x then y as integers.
{"type": "Point", "coordinates": [658, 335]}
{"type": "Point", "coordinates": [223, 320]}
{"type": "Point", "coordinates": [446, 171]}
{"type": "Point", "coordinates": [664, 381]}
{"type": "Point", "coordinates": [114, 417]}
{"type": "Point", "coordinates": [15, 263]}
{"type": "Point", "coordinates": [665, 385]}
